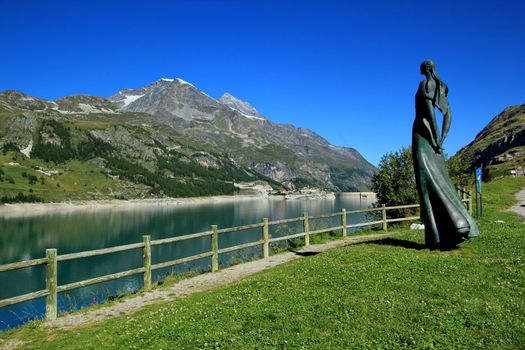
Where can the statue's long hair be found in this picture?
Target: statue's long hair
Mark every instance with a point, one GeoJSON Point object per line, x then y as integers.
{"type": "Point", "coordinates": [440, 84]}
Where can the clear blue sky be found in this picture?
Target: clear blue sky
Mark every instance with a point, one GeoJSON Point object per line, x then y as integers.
{"type": "Point", "coordinates": [345, 69]}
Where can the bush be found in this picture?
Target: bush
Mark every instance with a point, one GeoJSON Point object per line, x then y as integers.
{"type": "Point", "coordinates": [32, 179]}
{"type": "Point", "coordinates": [460, 173]}
{"type": "Point", "coordinates": [395, 182]}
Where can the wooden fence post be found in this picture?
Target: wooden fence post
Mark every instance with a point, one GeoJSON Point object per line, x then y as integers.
{"type": "Point", "coordinates": [214, 249]}
{"type": "Point", "coordinates": [51, 284]}
{"type": "Point", "coordinates": [385, 224]}
{"type": "Point", "coordinates": [343, 222]}
{"type": "Point", "coordinates": [146, 258]}
{"type": "Point", "coordinates": [306, 226]}
{"type": "Point", "coordinates": [265, 237]}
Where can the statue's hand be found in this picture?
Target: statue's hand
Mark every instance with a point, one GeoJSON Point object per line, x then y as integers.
{"type": "Point", "coordinates": [438, 147]}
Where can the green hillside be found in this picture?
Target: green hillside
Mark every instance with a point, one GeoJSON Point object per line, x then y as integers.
{"type": "Point", "coordinates": [500, 146]}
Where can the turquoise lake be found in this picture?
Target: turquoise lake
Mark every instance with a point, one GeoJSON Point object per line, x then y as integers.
{"type": "Point", "coordinates": [23, 238]}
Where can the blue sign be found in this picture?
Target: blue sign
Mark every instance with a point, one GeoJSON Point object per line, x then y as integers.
{"type": "Point", "coordinates": [478, 179]}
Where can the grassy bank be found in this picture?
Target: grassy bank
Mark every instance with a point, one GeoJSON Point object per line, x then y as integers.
{"type": "Point", "coordinates": [48, 182]}
{"type": "Point", "coordinates": [387, 294]}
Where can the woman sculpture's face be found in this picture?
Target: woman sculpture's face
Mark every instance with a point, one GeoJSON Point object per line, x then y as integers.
{"type": "Point", "coordinates": [427, 67]}
{"type": "Point", "coordinates": [424, 68]}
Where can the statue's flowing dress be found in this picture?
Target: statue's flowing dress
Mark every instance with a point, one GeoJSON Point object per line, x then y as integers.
{"type": "Point", "coordinates": [447, 221]}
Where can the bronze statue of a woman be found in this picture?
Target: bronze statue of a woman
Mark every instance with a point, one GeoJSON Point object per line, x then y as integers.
{"type": "Point", "coordinates": [447, 221]}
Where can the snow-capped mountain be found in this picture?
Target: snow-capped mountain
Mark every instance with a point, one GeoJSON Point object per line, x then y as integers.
{"type": "Point", "coordinates": [167, 98]}
{"type": "Point", "coordinates": [279, 151]}
{"type": "Point", "coordinates": [229, 125]}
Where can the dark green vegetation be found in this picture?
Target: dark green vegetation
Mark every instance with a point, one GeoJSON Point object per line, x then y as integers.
{"type": "Point", "coordinates": [105, 156]}
{"type": "Point", "coordinates": [500, 146]}
{"type": "Point", "coordinates": [394, 182]}
{"type": "Point", "coordinates": [387, 294]}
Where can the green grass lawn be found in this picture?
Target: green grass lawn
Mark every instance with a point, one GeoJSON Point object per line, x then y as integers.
{"type": "Point", "coordinates": [387, 294]}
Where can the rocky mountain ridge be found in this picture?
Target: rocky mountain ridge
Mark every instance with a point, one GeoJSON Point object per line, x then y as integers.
{"type": "Point", "coordinates": [500, 146]}
{"type": "Point", "coordinates": [239, 105]}
{"type": "Point", "coordinates": [279, 151]}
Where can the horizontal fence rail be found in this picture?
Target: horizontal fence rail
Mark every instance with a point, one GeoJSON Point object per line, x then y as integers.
{"type": "Point", "coordinates": [239, 228]}
{"type": "Point", "coordinates": [100, 279]}
{"type": "Point", "coordinates": [52, 258]}
{"type": "Point", "coordinates": [24, 297]}
{"type": "Point", "coordinates": [181, 238]}
{"type": "Point", "coordinates": [22, 264]}
{"type": "Point", "coordinates": [120, 248]}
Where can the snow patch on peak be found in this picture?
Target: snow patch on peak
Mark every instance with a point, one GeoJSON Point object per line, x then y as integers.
{"type": "Point", "coordinates": [184, 82]}
{"type": "Point", "coordinates": [178, 80]}
{"type": "Point", "coordinates": [250, 116]}
{"type": "Point", "coordinates": [129, 99]}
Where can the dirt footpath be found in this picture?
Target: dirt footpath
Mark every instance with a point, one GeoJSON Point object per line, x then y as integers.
{"type": "Point", "coordinates": [198, 283]}
{"type": "Point", "coordinates": [520, 206]}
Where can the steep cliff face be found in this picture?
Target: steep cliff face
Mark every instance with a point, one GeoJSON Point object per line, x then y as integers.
{"type": "Point", "coordinates": [500, 146]}
{"type": "Point", "coordinates": [279, 151]}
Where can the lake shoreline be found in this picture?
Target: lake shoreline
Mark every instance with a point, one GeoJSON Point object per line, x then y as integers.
{"type": "Point", "coordinates": [14, 210]}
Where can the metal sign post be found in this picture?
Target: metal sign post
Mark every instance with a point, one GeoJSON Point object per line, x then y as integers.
{"type": "Point", "coordinates": [479, 172]}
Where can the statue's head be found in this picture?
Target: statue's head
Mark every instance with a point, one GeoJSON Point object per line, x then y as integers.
{"type": "Point", "coordinates": [427, 66]}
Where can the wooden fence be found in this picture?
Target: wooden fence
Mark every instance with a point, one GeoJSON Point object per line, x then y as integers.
{"type": "Point", "coordinates": [52, 258]}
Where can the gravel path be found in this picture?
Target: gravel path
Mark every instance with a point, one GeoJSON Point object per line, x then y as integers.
{"type": "Point", "coordinates": [198, 283]}
{"type": "Point", "coordinates": [520, 206]}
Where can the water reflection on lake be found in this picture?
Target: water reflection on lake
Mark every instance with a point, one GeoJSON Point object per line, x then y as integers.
{"type": "Point", "coordinates": [28, 237]}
